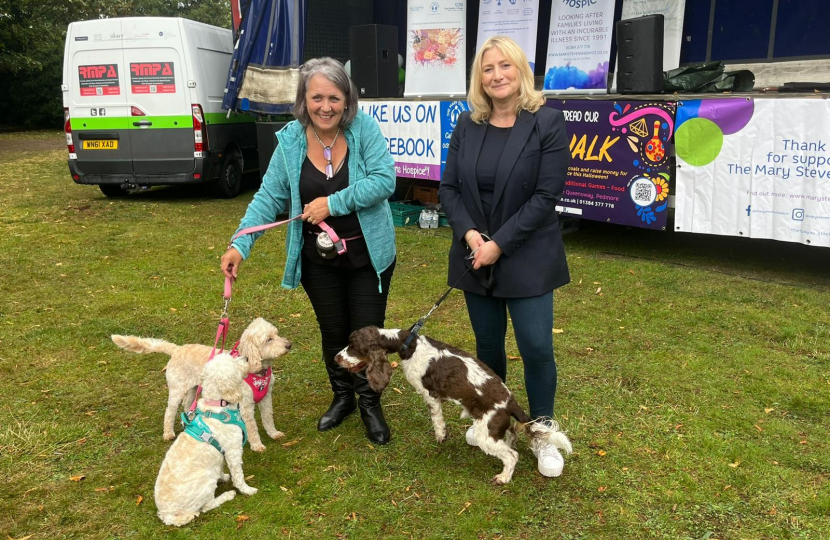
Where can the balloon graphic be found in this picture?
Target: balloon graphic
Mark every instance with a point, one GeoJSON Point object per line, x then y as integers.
{"type": "Point", "coordinates": [701, 125]}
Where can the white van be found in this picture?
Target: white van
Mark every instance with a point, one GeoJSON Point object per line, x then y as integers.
{"type": "Point", "coordinates": [142, 100]}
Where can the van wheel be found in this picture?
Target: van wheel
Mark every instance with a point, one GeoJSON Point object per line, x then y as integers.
{"type": "Point", "coordinates": [230, 177]}
{"type": "Point", "coordinates": [112, 190]}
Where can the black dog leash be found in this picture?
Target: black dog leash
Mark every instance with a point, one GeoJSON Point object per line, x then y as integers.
{"type": "Point", "coordinates": [415, 328]}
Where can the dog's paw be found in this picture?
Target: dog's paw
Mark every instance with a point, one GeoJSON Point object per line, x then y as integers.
{"type": "Point", "coordinates": [258, 447]}
{"type": "Point", "coordinates": [248, 490]}
{"type": "Point", "coordinates": [169, 436]}
{"type": "Point", "coordinates": [499, 480]}
{"type": "Point", "coordinates": [276, 435]}
{"type": "Point", "coordinates": [441, 437]}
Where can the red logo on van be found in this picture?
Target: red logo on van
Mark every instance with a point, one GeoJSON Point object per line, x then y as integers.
{"type": "Point", "coordinates": [152, 78]}
{"type": "Point", "coordinates": [99, 80]}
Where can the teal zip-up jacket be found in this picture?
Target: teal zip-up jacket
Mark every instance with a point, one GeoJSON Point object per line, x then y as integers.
{"type": "Point", "coordinates": [371, 183]}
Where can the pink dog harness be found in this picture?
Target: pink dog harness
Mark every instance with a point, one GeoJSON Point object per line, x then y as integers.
{"type": "Point", "coordinates": [259, 382]}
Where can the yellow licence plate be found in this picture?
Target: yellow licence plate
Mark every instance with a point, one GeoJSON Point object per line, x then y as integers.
{"type": "Point", "coordinates": [101, 145]}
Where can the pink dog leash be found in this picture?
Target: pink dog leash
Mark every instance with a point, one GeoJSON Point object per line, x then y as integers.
{"type": "Point", "coordinates": [224, 319]}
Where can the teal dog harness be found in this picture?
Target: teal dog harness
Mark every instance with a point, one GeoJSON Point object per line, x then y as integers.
{"type": "Point", "coordinates": [199, 430]}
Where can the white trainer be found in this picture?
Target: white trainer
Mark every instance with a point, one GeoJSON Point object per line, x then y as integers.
{"type": "Point", "coordinates": [549, 461]}
{"type": "Point", "coordinates": [470, 436]}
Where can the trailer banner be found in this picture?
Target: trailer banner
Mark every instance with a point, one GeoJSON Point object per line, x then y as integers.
{"type": "Point", "coordinates": [619, 170]}
{"type": "Point", "coordinates": [579, 46]}
{"type": "Point", "coordinates": [516, 20]}
{"type": "Point", "coordinates": [417, 133]}
{"type": "Point", "coordinates": [436, 59]}
{"type": "Point", "coordinates": [754, 168]}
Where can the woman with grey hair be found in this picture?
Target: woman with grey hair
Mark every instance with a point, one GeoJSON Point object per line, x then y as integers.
{"type": "Point", "coordinates": [332, 164]}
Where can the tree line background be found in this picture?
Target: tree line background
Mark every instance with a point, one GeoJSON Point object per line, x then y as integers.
{"type": "Point", "coordinates": [32, 37]}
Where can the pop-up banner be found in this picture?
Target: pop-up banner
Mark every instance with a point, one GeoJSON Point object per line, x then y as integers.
{"type": "Point", "coordinates": [754, 168]}
{"type": "Point", "coordinates": [436, 59]}
{"type": "Point", "coordinates": [579, 46]}
{"type": "Point", "coordinates": [516, 20]}
{"type": "Point", "coordinates": [417, 133]}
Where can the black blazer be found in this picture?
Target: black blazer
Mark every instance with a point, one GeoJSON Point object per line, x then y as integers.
{"type": "Point", "coordinates": [530, 179]}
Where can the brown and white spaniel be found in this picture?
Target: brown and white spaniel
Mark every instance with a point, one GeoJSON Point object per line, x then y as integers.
{"type": "Point", "coordinates": [441, 373]}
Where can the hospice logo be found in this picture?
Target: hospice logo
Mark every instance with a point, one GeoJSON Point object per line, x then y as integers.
{"type": "Point", "coordinates": [579, 3]}
{"type": "Point", "coordinates": [454, 112]}
{"type": "Point", "coordinates": [434, 7]}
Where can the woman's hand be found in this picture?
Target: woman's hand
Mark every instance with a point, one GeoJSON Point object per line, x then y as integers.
{"type": "Point", "coordinates": [488, 253]}
{"type": "Point", "coordinates": [316, 211]}
{"type": "Point", "coordinates": [473, 239]}
{"type": "Point", "coordinates": [230, 263]}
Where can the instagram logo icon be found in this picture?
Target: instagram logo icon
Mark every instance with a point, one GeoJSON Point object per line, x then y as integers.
{"type": "Point", "coordinates": [798, 214]}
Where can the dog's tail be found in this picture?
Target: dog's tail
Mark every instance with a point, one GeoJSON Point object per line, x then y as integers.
{"type": "Point", "coordinates": [144, 345]}
{"type": "Point", "coordinates": [544, 430]}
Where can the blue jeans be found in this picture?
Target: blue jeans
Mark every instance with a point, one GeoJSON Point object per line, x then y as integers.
{"type": "Point", "coordinates": [533, 327]}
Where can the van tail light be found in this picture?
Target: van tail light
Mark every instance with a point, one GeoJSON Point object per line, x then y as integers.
{"type": "Point", "coordinates": [199, 131]}
{"type": "Point", "coordinates": [67, 129]}
{"type": "Point", "coordinates": [135, 111]}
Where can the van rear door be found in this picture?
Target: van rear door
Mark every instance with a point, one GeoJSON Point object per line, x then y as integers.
{"type": "Point", "coordinates": [97, 99]}
{"type": "Point", "coordinates": [162, 139]}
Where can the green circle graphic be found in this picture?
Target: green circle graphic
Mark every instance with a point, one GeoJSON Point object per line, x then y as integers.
{"type": "Point", "coordinates": [698, 141]}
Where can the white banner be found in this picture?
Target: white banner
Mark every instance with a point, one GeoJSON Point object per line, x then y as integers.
{"type": "Point", "coordinates": [672, 12]}
{"type": "Point", "coordinates": [417, 133]}
{"type": "Point", "coordinates": [757, 169]}
{"type": "Point", "coordinates": [436, 59]}
{"type": "Point", "coordinates": [515, 19]}
{"type": "Point", "coordinates": [579, 46]}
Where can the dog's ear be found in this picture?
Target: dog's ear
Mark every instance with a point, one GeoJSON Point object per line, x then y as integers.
{"type": "Point", "coordinates": [378, 372]}
{"type": "Point", "coordinates": [250, 345]}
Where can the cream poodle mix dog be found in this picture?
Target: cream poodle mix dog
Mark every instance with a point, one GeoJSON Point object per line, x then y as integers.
{"type": "Point", "coordinates": [260, 343]}
{"type": "Point", "coordinates": [187, 480]}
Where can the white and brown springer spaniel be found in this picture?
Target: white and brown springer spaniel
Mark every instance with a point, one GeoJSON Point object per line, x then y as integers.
{"type": "Point", "coordinates": [441, 373]}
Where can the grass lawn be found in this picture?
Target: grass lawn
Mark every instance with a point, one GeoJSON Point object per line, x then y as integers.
{"type": "Point", "coordinates": [694, 381]}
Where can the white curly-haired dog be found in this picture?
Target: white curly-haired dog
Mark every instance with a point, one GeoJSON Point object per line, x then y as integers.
{"type": "Point", "coordinates": [187, 480]}
{"type": "Point", "coordinates": [440, 372]}
{"type": "Point", "coordinates": [260, 343]}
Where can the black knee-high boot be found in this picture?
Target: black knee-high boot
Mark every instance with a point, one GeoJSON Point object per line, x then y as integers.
{"type": "Point", "coordinates": [370, 412]}
{"type": "Point", "coordinates": [343, 404]}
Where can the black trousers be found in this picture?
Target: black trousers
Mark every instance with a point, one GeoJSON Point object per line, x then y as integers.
{"type": "Point", "coordinates": [345, 300]}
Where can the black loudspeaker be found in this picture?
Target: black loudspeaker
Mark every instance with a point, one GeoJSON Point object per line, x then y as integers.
{"type": "Point", "coordinates": [373, 52]}
{"type": "Point", "coordinates": [640, 55]}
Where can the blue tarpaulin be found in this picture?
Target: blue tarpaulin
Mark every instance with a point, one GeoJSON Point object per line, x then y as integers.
{"type": "Point", "coordinates": [271, 35]}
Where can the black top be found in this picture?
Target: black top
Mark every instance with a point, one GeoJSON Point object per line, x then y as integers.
{"type": "Point", "coordinates": [495, 139]}
{"type": "Point", "coordinates": [313, 184]}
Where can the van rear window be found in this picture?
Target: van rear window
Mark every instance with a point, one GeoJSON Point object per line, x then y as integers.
{"type": "Point", "coordinates": [99, 80]}
{"type": "Point", "coordinates": [152, 78]}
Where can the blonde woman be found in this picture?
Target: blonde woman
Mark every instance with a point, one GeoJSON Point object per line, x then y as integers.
{"type": "Point", "coordinates": [505, 173]}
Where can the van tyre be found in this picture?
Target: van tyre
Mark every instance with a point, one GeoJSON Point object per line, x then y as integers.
{"type": "Point", "coordinates": [112, 190]}
{"type": "Point", "coordinates": [230, 177]}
